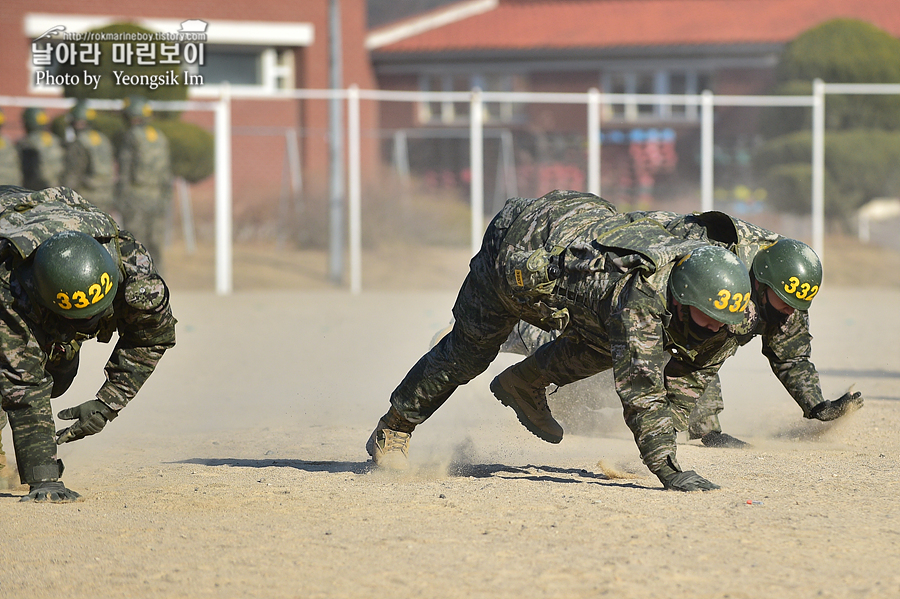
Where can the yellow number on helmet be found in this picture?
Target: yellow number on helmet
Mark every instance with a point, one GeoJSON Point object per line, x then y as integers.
{"type": "Point", "coordinates": [63, 301]}
{"type": "Point", "coordinates": [812, 293]}
{"type": "Point", "coordinates": [96, 293]}
{"type": "Point", "coordinates": [106, 282]}
{"type": "Point", "coordinates": [791, 287]}
{"type": "Point", "coordinates": [722, 302]}
{"type": "Point", "coordinates": [736, 306]}
{"type": "Point", "coordinates": [80, 299]}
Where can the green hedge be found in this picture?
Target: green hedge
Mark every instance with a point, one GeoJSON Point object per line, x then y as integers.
{"type": "Point", "coordinates": [860, 164]}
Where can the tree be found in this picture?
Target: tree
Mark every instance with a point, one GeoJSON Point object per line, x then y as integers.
{"type": "Point", "coordinates": [859, 143]}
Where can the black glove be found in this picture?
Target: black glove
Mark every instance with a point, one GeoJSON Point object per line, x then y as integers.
{"type": "Point", "coordinates": [55, 492]}
{"type": "Point", "coordinates": [674, 479]}
{"type": "Point", "coordinates": [688, 481]}
{"type": "Point", "coordinates": [830, 410]}
{"type": "Point", "coordinates": [720, 439]}
{"type": "Point", "coordinates": [92, 416]}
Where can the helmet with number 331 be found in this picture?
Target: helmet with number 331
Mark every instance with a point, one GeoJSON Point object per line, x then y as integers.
{"type": "Point", "coordinates": [714, 281]}
{"type": "Point", "coordinates": [74, 275]}
{"type": "Point", "coordinates": [791, 269]}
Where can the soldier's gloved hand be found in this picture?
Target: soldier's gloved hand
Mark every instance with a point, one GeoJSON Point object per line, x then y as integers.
{"type": "Point", "coordinates": [55, 492]}
{"type": "Point", "coordinates": [830, 410]}
{"type": "Point", "coordinates": [688, 481]}
{"type": "Point", "coordinates": [92, 416]}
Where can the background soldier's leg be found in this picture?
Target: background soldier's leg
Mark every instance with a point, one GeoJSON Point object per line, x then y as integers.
{"type": "Point", "coordinates": [705, 415]}
{"type": "Point", "coordinates": [569, 359]}
{"type": "Point", "coordinates": [63, 373]}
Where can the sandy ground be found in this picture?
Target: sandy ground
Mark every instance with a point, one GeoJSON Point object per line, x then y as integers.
{"type": "Point", "coordinates": [240, 471]}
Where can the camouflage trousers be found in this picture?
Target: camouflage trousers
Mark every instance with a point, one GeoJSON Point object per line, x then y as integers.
{"type": "Point", "coordinates": [33, 428]}
{"type": "Point", "coordinates": [527, 339]}
{"type": "Point", "coordinates": [148, 227]}
{"type": "Point", "coordinates": [485, 313]}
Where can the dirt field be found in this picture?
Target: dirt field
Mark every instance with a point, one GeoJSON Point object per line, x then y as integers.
{"type": "Point", "coordinates": [240, 470]}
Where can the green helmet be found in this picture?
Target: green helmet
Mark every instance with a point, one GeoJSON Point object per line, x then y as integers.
{"type": "Point", "coordinates": [81, 112]}
{"type": "Point", "coordinates": [74, 276]}
{"type": "Point", "coordinates": [35, 119]}
{"type": "Point", "coordinates": [714, 281]}
{"type": "Point", "coordinates": [137, 107]}
{"type": "Point", "coordinates": [791, 269]}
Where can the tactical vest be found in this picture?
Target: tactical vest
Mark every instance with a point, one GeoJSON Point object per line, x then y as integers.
{"type": "Point", "coordinates": [10, 169]}
{"type": "Point", "coordinates": [43, 160]}
{"type": "Point", "coordinates": [100, 171]}
{"type": "Point", "coordinates": [150, 156]}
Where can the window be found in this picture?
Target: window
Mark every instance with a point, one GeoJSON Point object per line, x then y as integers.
{"type": "Point", "coordinates": [450, 112]}
{"type": "Point", "coordinates": [252, 69]}
{"type": "Point", "coordinates": [671, 82]}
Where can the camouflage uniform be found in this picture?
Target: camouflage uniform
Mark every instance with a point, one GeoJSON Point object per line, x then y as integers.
{"type": "Point", "coordinates": [786, 340]}
{"type": "Point", "coordinates": [144, 188]}
{"type": "Point", "coordinates": [43, 159]}
{"type": "Point", "coordinates": [10, 167]}
{"type": "Point", "coordinates": [90, 168]}
{"type": "Point", "coordinates": [39, 351]}
{"type": "Point", "coordinates": [610, 300]}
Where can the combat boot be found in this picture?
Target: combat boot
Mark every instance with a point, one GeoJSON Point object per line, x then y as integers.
{"type": "Point", "coordinates": [523, 388]}
{"type": "Point", "coordinates": [389, 448]}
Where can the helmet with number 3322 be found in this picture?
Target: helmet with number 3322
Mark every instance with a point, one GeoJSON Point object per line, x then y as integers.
{"type": "Point", "coordinates": [74, 275]}
{"type": "Point", "coordinates": [791, 269]}
{"type": "Point", "coordinates": [714, 281]}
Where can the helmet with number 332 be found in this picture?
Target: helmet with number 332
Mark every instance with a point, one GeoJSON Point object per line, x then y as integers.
{"type": "Point", "coordinates": [74, 275]}
{"type": "Point", "coordinates": [791, 269]}
{"type": "Point", "coordinates": [714, 281]}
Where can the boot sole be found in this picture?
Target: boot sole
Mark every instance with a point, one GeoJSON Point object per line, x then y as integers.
{"type": "Point", "coordinates": [509, 401]}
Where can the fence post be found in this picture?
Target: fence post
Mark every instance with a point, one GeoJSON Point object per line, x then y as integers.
{"type": "Point", "coordinates": [354, 190]}
{"type": "Point", "coordinates": [818, 168]}
{"type": "Point", "coordinates": [593, 135]}
{"type": "Point", "coordinates": [476, 165]}
{"type": "Point", "coordinates": [223, 194]}
{"type": "Point", "coordinates": [707, 152]}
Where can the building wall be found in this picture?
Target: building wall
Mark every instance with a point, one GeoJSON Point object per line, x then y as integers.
{"type": "Point", "coordinates": [258, 159]}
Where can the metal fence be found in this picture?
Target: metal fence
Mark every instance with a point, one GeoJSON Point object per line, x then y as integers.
{"type": "Point", "coordinates": [592, 102]}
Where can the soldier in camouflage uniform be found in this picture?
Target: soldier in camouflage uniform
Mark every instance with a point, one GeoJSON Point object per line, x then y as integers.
{"type": "Point", "coordinates": [786, 275]}
{"type": "Point", "coordinates": [40, 152]}
{"type": "Point", "coordinates": [68, 274]}
{"type": "Point", "coordinates": [624, 291]}
{"type": "Point", "coordinates": [144, 188]}
{"type": "Point", "coordinates": [90, 164]}
{"type": "Point", "coordinates": [10, 167]}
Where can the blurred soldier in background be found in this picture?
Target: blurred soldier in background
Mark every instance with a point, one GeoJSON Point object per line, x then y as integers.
{"type": "Point", "coordinates": [623, 290]}
{"type": "Point", "coordinates": [69, 274]}
{"type": "Point", "coordinates": [10, 167]}
{"type": "Point", "coordinates": [144, 190]}
{"type": "Point", "coordinates": [40, 152]}
{"type": "Point", "coordinates": [786, 276]}
{"type": "Point", "coordinates": [90, 164]}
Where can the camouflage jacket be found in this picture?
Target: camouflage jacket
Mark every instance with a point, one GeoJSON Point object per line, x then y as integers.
{"type": "Point", "coordinates": [145, 173]}
{"type": "Point", "coordinates": [34, 337]}
{"type": "Point", "coordinates": [90, 167]}
{"type": "Point", "coordinates": [612, 292]}
{"type": "Point", "coordinates": [10, 168]}
{"type": "Point", "coordinates": [42, 158]}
